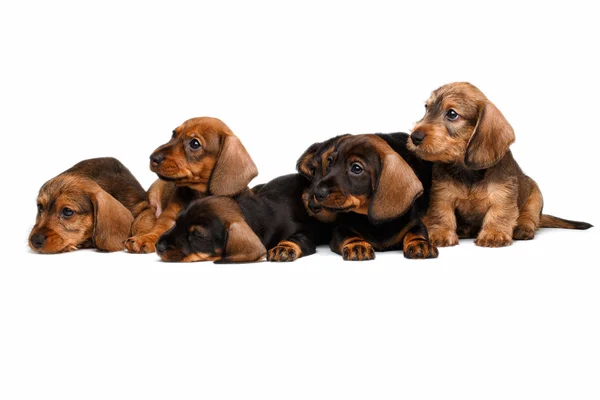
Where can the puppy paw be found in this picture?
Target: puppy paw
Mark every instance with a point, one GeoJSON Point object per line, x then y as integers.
{"type": "Point", "coordinates": [358, 251]}
{"type": "Point", "coordinates": [493, 239]}
{"type": "Point", "coordinates": [141, 244]}
{"type": "Point", "coordinates": [443, 238]}
{"type": "Point", "coordinates": [284, 251]}
{"type": "Point", "coordinates": [523, 233]}
{"type": "Point", "coordinates": [420, 249]}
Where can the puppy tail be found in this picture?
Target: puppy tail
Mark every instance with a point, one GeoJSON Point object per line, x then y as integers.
{"type": "Point", "coordinates": [550, 221]}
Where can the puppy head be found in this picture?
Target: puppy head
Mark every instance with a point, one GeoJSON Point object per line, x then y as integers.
{"type": "Point", "coordinates": [363, 174]}
{"type": "Point", "coordinates": [211, 229]}
{"type": "Point", "coordinates": [310, 165]}
{"type": "Point", "coordinates": [204, 154]}
{"type": "Point", "coordinates": [461, 126]}
{"type": "Point", "coordinates": [74, 212]}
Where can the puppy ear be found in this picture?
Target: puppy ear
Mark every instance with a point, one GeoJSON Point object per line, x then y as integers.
{"type": "Point", "coordinates": [491, 138]}
{"type": "Point", "coordinates": [242, 244]}
{"type": "Point", "coordinates": [304, 164]}
{"type": "Point", "coordinates": [396, 190]}
{"type": "Point", "coordinates": [234, 169]}
{"type": "Point", "coordinates": [112, 221]}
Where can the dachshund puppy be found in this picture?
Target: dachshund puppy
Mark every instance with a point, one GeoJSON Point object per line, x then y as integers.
{"type": "Point", "coordinates": [202, 158]}
{"type": "Point", "coordinates": [368, 190]}
{"type": "Point", "coordinates": [96, 203]}
{"type": "Point", "coordinates": [227, 230]}
{"type": "Point", "coordinates": [478, 188]}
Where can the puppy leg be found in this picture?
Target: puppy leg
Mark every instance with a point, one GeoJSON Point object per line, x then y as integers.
{"type": "Point", "coordinates": [501, 217]}
{"type": "Point", "coordinates": [146, 243]}
{"type": "Point", "coordinates": [441, 220]}
{"type": "Point", "coordinates": [529, 215]}
{"type": "Point", "coordinates": [144, 222]}
{"type": "Point", "coordinates": [351, 246]}
{"type": "Point", "coordinates": [417, 244]}
{"type": "Point", "coordinates": [294, 247]}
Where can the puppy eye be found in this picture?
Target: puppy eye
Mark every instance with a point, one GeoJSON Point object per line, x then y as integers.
{"type": "Point", "coordinates": [356, 169]}
{"type": "Point", "coordinates": [195, 144]}
{"type": "Point", "coordinates": [426, 106]}
{"type": "Point", "coordinates": [452, 115]}
{"type": "Point", "coordinates": [40, 208]}
{"type": "Point", "coordinates": [67, 212]}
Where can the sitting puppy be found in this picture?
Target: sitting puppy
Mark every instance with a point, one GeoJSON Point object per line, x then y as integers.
{"type": "Point", "coordinates": [202, 158]}
{"type": "Point", "coordinates": [364, 185]}
{"type": "Point", "coordinates": [96, 203]}
{"type": "Point", "coordinates": [478, 188]}
{"type": "Point", "coordinates": [222, 229]}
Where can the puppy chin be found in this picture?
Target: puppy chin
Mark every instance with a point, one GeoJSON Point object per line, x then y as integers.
{"type": "Point", "coordinates": [168, 174]}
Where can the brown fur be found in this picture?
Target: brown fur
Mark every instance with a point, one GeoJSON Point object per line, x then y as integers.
{"type": "Point", "coordinates": [395, 184]}
{"type": "Point", "coordinates": [475, 176]}
{"type": "Point", "coordinates": [369, 187]}
{"type": "Point", "coordinates": [107, 204]}
{"type": "Point", "coordinates": [241, 245]}
{"type": "Point", "coordinates": [357, 249]}
{"type": "Point", "coordinates": [284, 251]}
{"type": "Point", "coordinates": [417, 246]}
{"type": "Point", "coordinates": [220, 166]}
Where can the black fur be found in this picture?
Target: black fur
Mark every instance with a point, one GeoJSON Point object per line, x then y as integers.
{"type": "Point", "coordinates": [381, 236]}
{"type": "Point", "coordinates": [274, 211]}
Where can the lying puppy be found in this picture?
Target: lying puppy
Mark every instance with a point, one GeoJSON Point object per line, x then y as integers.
{"type": "Point", "coordinates": [478, 188]}
{"type": "Point", "coordinates": [96, 203]}
{"type": "Point", "coordinates": [375, 199]}
{"type": "Point", "coordinates": [202, 158]}
{"type": "Point", "coordinates": [222, 229]}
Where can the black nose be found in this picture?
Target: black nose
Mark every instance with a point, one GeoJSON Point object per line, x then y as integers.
{"type": "Point", "coordinates": [161, 247]}
{"type": "Point", "coordinates": [322, 193]}
{"type": "Point", "coordinates": [417, 137]}
{"type": "Point", "coordinates": [157, 158]}
{"type": "Point", "coordinates": [38, 240]}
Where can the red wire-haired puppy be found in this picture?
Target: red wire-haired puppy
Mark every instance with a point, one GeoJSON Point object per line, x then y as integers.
{"type": "Point", "coordinates": [96, 203]}
{"type": "Point", "coordinates": [478, 188]}
{"type": "Point", "coordinates": [370, 193]}
{"type": "Point", "coordinates": [202, 158]}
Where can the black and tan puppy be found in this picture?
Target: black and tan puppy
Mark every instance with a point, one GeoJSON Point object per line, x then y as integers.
{"type": "Point", "coordinates": [96, 203]}
{"type": "Point", "coordinates": [224, 229]}
{"type": "Point", "coordinates": [478, 189]}
{"type": "Point", "coordinates": [202, 158]}
{"type": "Point", "coordinates": [370, 192]}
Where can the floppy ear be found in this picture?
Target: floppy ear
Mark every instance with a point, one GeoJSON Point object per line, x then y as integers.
{"type": "Point", "coordinates": [112, 221]}
{"type": "Point", "coordinates": [397, 189]}
{"type": "Point", "coordinates": [234, 169]}
{"type": "Point", "coordinates": [242, 244]}
{"type": "Point", "coordinates": [303, 165]}
{"type": "Point", "coordinates": [491, 138]}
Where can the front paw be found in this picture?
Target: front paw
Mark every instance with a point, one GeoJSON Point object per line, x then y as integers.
{"type": "Point", "coordinates": [284, 251]}
{"type": "Point", "coordinates": [489, 238]}
{"type": "Point", "coordinates": [141, 244]}
{"type": "Point", "coordinates": [420, 249]}
{"type": "Point", "coordinates": [358, 251]}
{"type": "Point", "coordinates": [443, 238]}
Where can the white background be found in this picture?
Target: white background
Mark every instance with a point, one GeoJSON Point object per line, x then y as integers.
{"type": "Point", "coordinates": [85, 79]}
